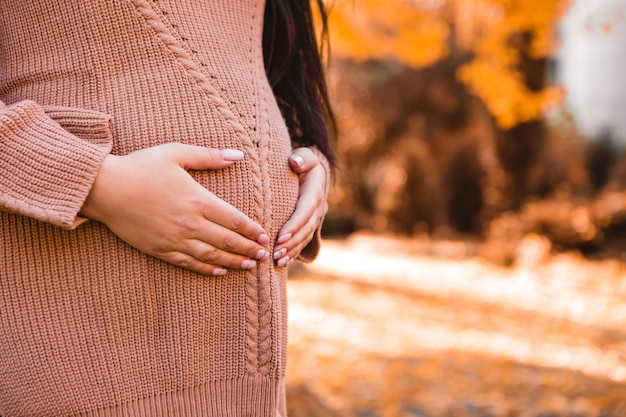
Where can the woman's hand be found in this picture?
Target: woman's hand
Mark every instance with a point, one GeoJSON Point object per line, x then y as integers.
{"type": "Point", "coordinates": [310, 208]}
{"type": "Point", "coordinates": [148, 199]}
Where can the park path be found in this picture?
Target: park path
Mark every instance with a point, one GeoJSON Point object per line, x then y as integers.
{"type": "Point", "coordinates": [382, 327]}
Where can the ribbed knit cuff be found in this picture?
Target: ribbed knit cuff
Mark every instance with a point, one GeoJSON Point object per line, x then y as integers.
{"type": "Point", "coordinates": [310, 251]}
{"type": "Point", "coordinates": [49, 159]}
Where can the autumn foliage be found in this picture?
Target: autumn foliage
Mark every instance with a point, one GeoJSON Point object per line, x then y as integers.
{"type": "Point", "coordinates": [442, 109]}
{"type": "Point", "coordinates": [448, 166]}
{"type": "Point", "coordinates": [421, 32]}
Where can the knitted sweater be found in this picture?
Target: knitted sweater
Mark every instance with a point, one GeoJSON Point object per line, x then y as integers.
{"type": "Point", "coordinates": [90, 326]}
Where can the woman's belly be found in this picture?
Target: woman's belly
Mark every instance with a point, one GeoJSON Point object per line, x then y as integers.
{"type": "Point", "coordinates": [101, 306]}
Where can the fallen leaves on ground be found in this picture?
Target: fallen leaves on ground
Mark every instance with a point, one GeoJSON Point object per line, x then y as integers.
{"type": "Point", "coordinates": [380, 327]}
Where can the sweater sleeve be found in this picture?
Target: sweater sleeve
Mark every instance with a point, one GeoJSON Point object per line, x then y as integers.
{"type": "Point", "coordinates": [310, 251]}
{"type": "Point", "coordinates": [49, 158]}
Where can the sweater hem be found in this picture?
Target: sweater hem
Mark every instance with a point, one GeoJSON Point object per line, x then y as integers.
{"type": "Point", "coordinates": [242, 397]}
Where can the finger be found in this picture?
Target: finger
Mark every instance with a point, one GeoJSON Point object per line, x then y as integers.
{"type": "Point", "coordinates": [296, 244]}
{"type": "Point", "coordinates": [201, 158]}
{"type": "Point", "coordinates": [310, 201]}
{"type": "Point", "coordinates": [220, 212]}
{"type": "Point", "coordinates": [303, 160]}
{"type": "Point", "coordinates": [188, 262]}
{"type": "Point", "coordinates": [226, 240]}
{"type": "Point", "coordinates": [208, 254]}
{"type": "Point", "coordinates": [291, 256]}
{"type": "Point", "coordinates": [301, 237]}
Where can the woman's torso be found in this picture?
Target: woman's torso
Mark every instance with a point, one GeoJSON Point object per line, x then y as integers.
{"type": "Point", "coordinates": [86, 321]}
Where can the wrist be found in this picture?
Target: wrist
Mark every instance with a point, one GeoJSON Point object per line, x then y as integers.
{"type": "Point", "coordinates": [100, 189]}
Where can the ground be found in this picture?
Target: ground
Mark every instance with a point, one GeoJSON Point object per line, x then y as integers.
{"type": "Point", "coordinates": [390, 327]}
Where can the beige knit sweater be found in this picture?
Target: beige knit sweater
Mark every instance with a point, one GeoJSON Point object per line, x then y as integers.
{"type": "Point", "coordinates": [89, 326]}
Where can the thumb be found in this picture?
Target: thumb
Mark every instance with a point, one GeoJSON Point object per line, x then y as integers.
{"type": "Point", "coordinates": [303, 160]}
{"type": "Point", "coordinates": [200, 158]}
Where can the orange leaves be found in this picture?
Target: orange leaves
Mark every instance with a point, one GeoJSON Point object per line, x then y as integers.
{"type": "Point", "coordinates": [420, 32]}
{"type": "Point", "coordinates": [388, 29]}
{"type": "Point", "coordinates": [494, 74]}
{"type": "Point", "coordinates": [503, 90]}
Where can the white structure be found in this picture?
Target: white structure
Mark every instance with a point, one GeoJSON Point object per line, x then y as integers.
{"type": "Point", "coordinates": [591, 65]}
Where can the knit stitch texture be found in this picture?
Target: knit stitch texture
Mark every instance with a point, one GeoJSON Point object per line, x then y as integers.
{"type": "Point", "coordinates": [90, 326]}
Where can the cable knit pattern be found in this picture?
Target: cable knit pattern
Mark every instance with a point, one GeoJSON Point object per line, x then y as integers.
{"type": "Point", "coordinates": [185, 59]}
{"type": "Point", "coordinates": [89, 326]}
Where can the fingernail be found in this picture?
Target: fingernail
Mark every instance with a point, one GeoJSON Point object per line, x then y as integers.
{"type": "Point", "coordinates": [262, 254]}
{"type": "Point", "coordinates": [284, 238]}
{"type": "Point", "coordinates": [283, 261]}
{"type": "Point", "coordinates": [219, 272]}
{"type": "Point", "coordinates": [248, 264]}
{"type": "Point", "coordinates": [298, 160]}
{"type": "Point", "coordinates": [263, 239]}
{"type": "Point", "coordinates": [232, 154]}
{"type": "Point", "coordinates": [290, 262]}
{"type": "Point", "coordinates": [280, 253]}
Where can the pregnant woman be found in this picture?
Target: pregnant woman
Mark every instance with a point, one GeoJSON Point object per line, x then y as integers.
{"type": "Point", "coordinates": [161, 163]}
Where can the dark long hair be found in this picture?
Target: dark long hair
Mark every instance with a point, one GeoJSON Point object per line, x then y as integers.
{"type": "Point", "coordinates": [294, 68]}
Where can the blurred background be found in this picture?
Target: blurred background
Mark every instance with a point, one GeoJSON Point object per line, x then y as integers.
{"type": "Point", "coordinates": [475, 245]}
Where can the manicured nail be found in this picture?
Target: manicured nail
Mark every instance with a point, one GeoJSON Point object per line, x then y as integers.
{"type": "Point", "coordinates": [262, 255]}
{"type": "Point", "coordinates": [248, 264]}
{"type": "Point", "coordinates": [280, 253]}
{"type": "Point", "coordinates": [298, 160]}
{"type": "Point", "coordinates": [263, 239]}
{"type": "Point", "coordinates": [283, 238]}
{"type": "Point", "coordinates": [232, 154]}
{"type": "Point", "coordinates": [283, 261]}
{"type": "Point", "coordinates": [290, 262]}
{"type": "Point", "coordinates": [219, 272]}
